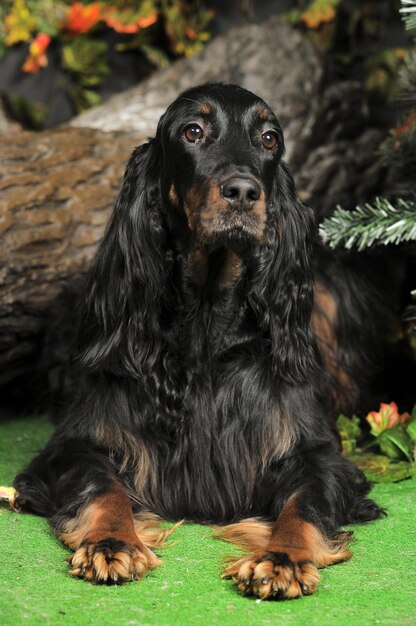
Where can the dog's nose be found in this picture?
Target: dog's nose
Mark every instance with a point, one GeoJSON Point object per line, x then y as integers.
{"type": "Point", "coordinates": [241, 192]}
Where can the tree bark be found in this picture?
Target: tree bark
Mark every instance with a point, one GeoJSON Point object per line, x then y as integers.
{"type": "Point", "coordinates": [56, 192]}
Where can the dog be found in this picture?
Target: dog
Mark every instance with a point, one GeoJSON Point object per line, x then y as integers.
{"type": "Point", "coordinates": [201, 389]}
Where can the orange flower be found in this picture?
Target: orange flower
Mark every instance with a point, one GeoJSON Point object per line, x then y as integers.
{"type": "Point", "coordinates": [144, 22]}
{"type": "Point", "coordinates": [37, 57]}
{"type": "Point", "coordinates": [316, 16]}
{"type": "Point", "coordinates": [125, 21]}
{"type": "Point", "coordinates": [191, 34]}
{"type": "Point", "coordinates": [81, 18]}
{"type": "Point", "coordinates": [387, 417]}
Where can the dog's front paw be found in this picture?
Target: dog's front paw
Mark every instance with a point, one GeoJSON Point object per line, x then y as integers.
{"type": "Point", "coordinates": [112, 561]}
{"type": "Point", "coordinates": [274, 575]}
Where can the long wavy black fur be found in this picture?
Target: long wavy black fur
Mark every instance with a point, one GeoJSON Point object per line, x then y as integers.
{"type": "Point", "coordinates": [205, 404]}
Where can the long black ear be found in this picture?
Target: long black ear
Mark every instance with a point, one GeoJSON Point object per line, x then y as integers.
{"type": "Point", "coordinates": [120, 332]}
{"type": "Point", "coordinates": [284, 296]}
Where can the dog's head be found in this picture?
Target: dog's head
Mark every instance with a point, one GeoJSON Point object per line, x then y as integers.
{"type": "Point", "coordinates": [210, 188]}
{"type": "Point", "coordinates": [221, 148]}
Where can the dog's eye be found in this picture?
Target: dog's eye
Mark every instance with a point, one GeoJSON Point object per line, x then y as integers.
{"type": "Point", "coordinates": [269, 140]}
{"type": "Point", "coordinates": [193, 133]}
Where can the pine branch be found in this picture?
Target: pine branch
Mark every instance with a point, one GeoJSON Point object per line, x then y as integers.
{"type": "Point", "coordinates": [408, 12]}
{"type": "Point", "coordinates": [381, 223]}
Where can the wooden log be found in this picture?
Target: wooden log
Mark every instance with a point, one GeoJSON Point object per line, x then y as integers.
{"type": "Point", "coordinates": [56, 191]}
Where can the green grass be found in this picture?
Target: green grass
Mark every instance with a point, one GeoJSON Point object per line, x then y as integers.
{"type": "Point", "coordinates": [378, 586]}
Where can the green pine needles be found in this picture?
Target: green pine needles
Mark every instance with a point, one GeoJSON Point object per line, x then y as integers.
{"type": "Point", "coordinates": [408, 12]}
{"type": "Point", "coordinates": [378, 223]}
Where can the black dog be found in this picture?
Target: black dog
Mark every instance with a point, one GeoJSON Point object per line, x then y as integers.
{"type": "Point", "coordinates": [200, 390]}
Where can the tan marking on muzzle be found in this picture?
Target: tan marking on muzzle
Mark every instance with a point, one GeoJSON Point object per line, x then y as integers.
{"type": "Point", "coordinates": [192, 205]}
{"type": "Point", "coordinates": [207, 211]}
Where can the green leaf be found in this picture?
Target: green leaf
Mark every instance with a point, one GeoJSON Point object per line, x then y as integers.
{"type": "Point", "coordinates": [292, 16]}
{"type": "Point", "coordinates": [83, 98]}
{"type": "Point", "coordinates": [91, 98]}
{"type": "Point", "coordinates": [156, 56]}
{"type": "Point", "coordinates": [349, 429]}
{"type": "Point", "coordinates": [30, 114]}
{"type": "Point", "coordinates": [86, 57]}
{"type": "Point", "coordinates": [380, 469]}
{"type": "Point", "coordinates": [395, 442]}
{"type": "Point", "coordinates": [411, 425]}
{"type": "Point", "coordinates": [90, 80]}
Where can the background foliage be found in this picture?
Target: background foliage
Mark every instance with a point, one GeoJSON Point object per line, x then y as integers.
{"type": "Point", "coordinates": [387, 452]}
{"type": "Point", "coordinates": [157, 29]}
{"type": "Point", "coordinates": [358, 38]}
{"type": "Point", "coordinates": [85, 34]}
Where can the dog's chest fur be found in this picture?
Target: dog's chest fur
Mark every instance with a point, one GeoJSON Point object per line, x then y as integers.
{"type": "Point", "coordinates": [218, 443]}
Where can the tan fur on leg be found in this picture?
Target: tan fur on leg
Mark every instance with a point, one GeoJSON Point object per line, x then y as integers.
{"type": "Point", "coordinates": [284, 555]}
{"type": "Point", "coordinates": [250, 534]}
{"type": "Point", "coordinates": [148, 529]}
{"type": "Point", "coordinates": [110, 545]}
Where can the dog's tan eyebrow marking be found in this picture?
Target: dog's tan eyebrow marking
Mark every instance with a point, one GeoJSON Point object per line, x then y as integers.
{"type": "Point", "coordinates": [205, 108]}
{"type": "Point", "coordinates": [262, 113]}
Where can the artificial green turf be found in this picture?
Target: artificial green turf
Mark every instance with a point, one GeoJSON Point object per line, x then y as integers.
{"type": "Point", "coordinates": [376, 587]}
